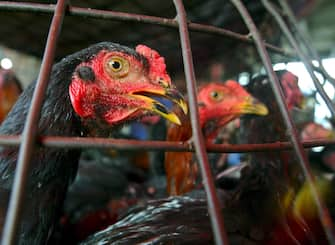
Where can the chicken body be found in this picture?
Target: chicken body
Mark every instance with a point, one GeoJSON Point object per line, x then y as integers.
{"type": "Point", "coordinates": [90, 91]}
{"type": "Point", "coordinates": [265, 182]}
{"type": "Point", "coordinates": [177, 220]}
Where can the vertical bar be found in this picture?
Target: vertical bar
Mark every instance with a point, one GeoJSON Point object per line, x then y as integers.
{"type": "Point", "coordinates": [214, 209]}
{"type": "Point", "coordinates": [302, 56]}
{"type": "Point", "coordinates": [292, 132]}
{"type": "Point", "coordinates": [30, 130]}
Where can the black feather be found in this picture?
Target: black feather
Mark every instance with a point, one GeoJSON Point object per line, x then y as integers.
{"type": "Point", "coordinates": [52, 169]}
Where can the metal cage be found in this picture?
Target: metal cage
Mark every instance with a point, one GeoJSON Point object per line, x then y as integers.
{"type": "Point", "coordinates": [283, 16]}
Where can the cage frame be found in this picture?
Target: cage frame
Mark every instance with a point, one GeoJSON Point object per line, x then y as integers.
{"type": "Point", "coordinates": [29, 138]}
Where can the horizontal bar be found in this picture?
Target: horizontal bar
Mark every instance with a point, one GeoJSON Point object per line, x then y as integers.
{"type": "Point", "coordinates": [154, 145]}
{"type": "Point", "coordinates": [106, 14]}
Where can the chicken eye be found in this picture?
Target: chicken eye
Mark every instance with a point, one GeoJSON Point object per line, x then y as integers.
{"type": "Point", "coordinates": [117, 66]}
{"type": "Point", "coordinates": [216, 95]}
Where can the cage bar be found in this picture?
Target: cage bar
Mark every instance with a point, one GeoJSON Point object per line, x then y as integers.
{"type": "Point", "coordinates": [154, 145]}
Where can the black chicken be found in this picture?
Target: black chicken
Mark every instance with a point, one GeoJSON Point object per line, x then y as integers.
{"type": "Point", "coordinates": [270, 175]}
{"type": "Point", "coordinates": [89, 91]}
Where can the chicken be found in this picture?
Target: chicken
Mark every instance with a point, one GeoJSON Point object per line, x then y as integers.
{"type": "Point", "coordinates": [10, 89]}
{"type": "Point", "coordinates": [89, 93]}
{"type": "Point", "coordinates": [269, 175]}
{"type": "Point", "coordinates": [219, 103]}
{"type": "Point", "coordinates": [260, 87]}
{"type": "Point", "coordinates": [271, 126]}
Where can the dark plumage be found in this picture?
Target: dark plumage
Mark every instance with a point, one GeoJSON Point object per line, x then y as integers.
{"type": "Point", "coordinates": [175, 220]}
{"type": "Point", "coordinates": [265, 182]}
{"type": "Point", "coordinates": [68, 113]}
{"type": "Point", "coordinates": [270, 128]}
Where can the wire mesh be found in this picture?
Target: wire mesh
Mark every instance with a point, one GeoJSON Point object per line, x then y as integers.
{"type": "Point", "coordinates": [29, 138]}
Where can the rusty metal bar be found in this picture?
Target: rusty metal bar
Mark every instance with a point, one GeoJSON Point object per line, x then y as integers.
{"type": "Point", "coordinates": [304, 39]}
{"type": "Point", "coordinates": [121, 144]}
{"type": "Point", "coordinates": [28, 7]}
{"type": "Point", "coordinates": [30, 130]}
{"type": "Point", "coordinates": [113, 15]}
{"type": "Point", "coordinates": [125, 144]}
{"type": "Point", "coordinates": [276, 146]}
{"type": "Point", "coordinates": [213, 203]}
{"type": "Point", "coordinates": [308, 63]}
{"type": "Point", "coordinates": [292, 132]}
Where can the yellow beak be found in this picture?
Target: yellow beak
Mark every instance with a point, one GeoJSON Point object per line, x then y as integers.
{"type": "Point", "coordinates": [157, 107]}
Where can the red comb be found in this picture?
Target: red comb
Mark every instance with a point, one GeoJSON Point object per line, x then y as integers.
{"type": "Point", "coordinates": [156, 62]}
